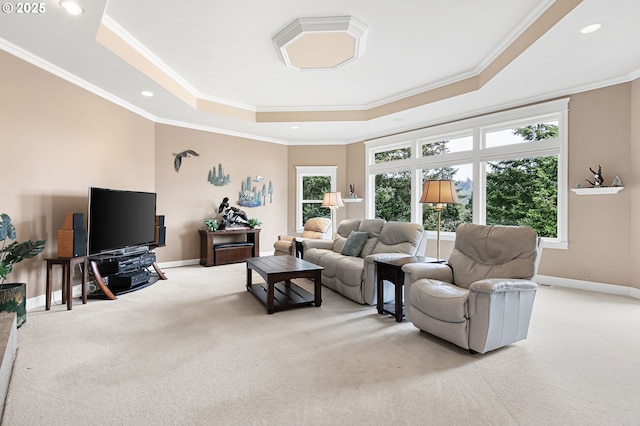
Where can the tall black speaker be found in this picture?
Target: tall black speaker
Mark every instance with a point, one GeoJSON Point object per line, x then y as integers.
{"type": "Point", "coordinates": [161, 236]}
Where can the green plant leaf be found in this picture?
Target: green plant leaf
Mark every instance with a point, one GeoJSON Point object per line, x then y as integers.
{"type": "Point", "coordinates": [6, 228]}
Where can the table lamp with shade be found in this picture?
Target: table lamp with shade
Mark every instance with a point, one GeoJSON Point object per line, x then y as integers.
{"type": "Point", "coordinates": [332, 200]}
{"type": "Point", "coordinates": [437, 194]}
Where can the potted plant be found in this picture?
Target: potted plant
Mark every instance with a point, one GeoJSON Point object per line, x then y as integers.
{"type": "Point", "coordinates": [212, 224]}
{"type": "Point", "coordinates": [13, 295]}
{"type": "Point", "coordinates": [253, 222]}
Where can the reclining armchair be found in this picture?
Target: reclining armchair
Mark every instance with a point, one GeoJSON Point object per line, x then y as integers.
{"type": "Point", "coordinates": [482, 298]}
{"type": "Point", "coordinates": [314, 228]}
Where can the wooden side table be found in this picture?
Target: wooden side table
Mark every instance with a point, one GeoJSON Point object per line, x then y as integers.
{"type": "Point", "coordinates": [67, 273]}
{"type": "Point", "coordinates": [391, 270]}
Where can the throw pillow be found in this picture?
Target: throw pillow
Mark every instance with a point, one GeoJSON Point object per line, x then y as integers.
{"type": "Point", "coordinates": [355, 242]}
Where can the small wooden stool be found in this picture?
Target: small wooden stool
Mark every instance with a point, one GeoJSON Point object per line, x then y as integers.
{"type": "Point", "coordinates": [67, 272]}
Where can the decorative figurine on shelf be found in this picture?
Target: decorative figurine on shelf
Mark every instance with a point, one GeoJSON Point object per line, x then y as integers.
{"type": "Point", "coordinates": [598, 180]}
{"type": "Point", "coordinates": [616, 181]}
{"type": "Point", "coordinates": [578, 184]}
{"type": "Point", "coordinates": [352, 192]}
{"type": "Point", "coordinates": [231, 216]}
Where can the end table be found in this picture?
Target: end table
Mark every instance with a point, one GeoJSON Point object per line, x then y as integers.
{"type": "Point", "coordinates": [391, 270]}
{"type": "Point", "coordinates": [67, 264]}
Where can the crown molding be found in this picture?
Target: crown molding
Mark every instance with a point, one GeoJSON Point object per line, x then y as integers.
{"type": "Point", "coordinates": [71, 78]}
{"type": "Point", "coordinates": [538, 10]}
{"type": "Point", "coordinates": [634, 75]}
{"type": "Point", "coordinates": [211, 129]}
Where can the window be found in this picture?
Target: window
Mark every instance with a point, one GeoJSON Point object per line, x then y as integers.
{"type": "Point", "coordinates": [311, 183]}
{"type": "Point", "coordinates": [509, 168]}
{"type": "Point", "coordinates": [393, 196]}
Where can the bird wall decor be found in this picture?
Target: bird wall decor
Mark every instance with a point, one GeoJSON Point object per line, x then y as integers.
{"type": "Point", "coordinates": [184, 154]}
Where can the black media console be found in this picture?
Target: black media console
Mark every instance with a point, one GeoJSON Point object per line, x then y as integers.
{"type": "Point", "coordinates": [119, 274]}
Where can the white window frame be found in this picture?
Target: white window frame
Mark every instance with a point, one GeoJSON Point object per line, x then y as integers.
{"type": "Point", "coordinates": [306, 171]}
{"type": "Point", "coordinates": [478, 127]}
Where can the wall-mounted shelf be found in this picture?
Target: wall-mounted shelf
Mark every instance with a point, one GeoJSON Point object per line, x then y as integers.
{"type": "Point", "coordinates": [352, 200]}
{"type": "Point", "coordinates": [598, 191]}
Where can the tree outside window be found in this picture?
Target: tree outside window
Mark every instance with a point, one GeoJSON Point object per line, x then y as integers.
{"type": "Point", "coordinates": [393, 196]}
{"type": "Point", "coordinates": [313, 188]}
{"type": "Point", "coordinates": [525, 191]}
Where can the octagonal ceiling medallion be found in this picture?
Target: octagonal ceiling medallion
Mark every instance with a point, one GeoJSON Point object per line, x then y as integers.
{"type": "Point", "coordinates": [321, 43]}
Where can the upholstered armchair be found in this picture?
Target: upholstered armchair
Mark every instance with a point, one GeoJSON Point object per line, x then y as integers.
{"type": "Point", "coordinates": [314, 228]}
{"type": "Point", "coordinates": [482, 298]}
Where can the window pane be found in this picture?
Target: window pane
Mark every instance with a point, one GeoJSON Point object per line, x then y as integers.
{"type": "Point", "coordinates": [447, 146]}
{"type": "Point", "coordinates": [393, 155]}
{"type": "Point", "coordinates": [393, 196]}
{"type": "Point", "coordinates": [524, 192]}
{"type": "Point", "coordinates": [522, 134]}
{"type": "Point", "coordinates": [310, 210]}
{"type": "Point", "coordinates": [453, 214]}
{"type": "Point", "coordinates": [314, 186]}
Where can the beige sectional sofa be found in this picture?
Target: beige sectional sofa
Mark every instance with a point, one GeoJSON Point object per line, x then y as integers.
{"type": "Point", "coordinates": [348, 262]}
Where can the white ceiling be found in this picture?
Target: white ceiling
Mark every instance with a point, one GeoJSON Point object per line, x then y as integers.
{"type": "Point", "coordinates": [222, 51]}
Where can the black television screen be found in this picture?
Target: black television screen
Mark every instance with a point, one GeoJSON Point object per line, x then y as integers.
{"type": "Point", "coordinates": [120, 219]}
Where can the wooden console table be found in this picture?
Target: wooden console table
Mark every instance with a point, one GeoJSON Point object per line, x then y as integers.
{"type": "Point", "coordinates": [228, 250]}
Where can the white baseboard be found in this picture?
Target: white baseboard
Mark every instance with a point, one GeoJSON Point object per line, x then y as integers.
{"type": "Point", "coordinates": [620, 290]}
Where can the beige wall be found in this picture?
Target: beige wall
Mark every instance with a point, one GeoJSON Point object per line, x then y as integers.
{"type": "Point", "coordinates": [58, 140]}
{"type": "Point", "coordinates": [187, 198]}
{"type": "Point", "coordinates": [599, 237]}
{"type": "Point", "coordinates": [632, 184]}
{"type": "Point", "coordinates": [356, 162]}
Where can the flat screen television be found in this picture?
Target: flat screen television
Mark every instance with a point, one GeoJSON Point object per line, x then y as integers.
{"type": "Point", "coordinates": [120, 220]}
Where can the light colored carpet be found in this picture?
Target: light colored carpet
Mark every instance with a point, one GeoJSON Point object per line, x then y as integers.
{"type": "Point", "coordinates": [199, 349]}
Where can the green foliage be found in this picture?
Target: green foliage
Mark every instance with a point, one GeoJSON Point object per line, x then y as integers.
{"type": "Point", "coordinates": [310, 210]}
{"type": "Point", "coordinates": [393, 155]}
{"type": "Point", "coordinates": [15, 252]}
{"type": "Point", "coordinates": [253, 222]}
{"type": "Point", "coordinates": [313, 188]}
{"type": "Point", "coordinates": [525, 191]}
{"type": "Point", "coordinates": [393, 196]}
{"type": "Point", "coordinates": [212, 224]}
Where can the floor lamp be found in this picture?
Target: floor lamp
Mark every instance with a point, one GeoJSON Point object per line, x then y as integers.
{"type": "Point", "coordinates": [437, 194]}
{"type": "Point", "coordinates": [332, 200]}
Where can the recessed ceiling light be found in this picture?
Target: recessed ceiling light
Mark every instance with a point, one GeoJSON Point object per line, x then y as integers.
{"type": "Point", "coordinates": [591, 28]}
{"type": "Point", "coordinates": [71, 7]}
{"type": "Point", "coordinates": [295, 127]}
{"type": "Point", "coordinates": [146, 93]}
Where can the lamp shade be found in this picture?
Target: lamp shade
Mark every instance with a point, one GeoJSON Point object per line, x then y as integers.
{"type": "Point", "coordinates": [439, 192]}
{"type": "Point", "coordinates": [332, 199]}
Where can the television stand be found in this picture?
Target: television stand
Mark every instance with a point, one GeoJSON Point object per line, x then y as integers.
{"type": "Point", "coordinates": [125, 273]}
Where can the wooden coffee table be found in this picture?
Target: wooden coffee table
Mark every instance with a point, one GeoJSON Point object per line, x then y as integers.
{"type": "Point", "coordinates": [278, 292]}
